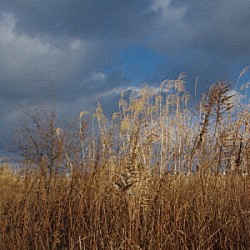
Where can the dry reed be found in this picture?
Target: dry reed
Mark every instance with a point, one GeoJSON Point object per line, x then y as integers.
{"type": "Point", "coordinates": [152, 177]}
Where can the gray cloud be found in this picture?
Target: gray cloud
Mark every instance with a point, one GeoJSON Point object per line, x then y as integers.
{"type": "Point", "coordinates": [30, 63]}
{"type": "Point", "coordinates": [206, 39]}
{"type": "Point", "coordinates": [27, 62]}
{"type": "Point", "coordinates": [89, 18]}
{"type": "Point", "coordinates": [221, 26]}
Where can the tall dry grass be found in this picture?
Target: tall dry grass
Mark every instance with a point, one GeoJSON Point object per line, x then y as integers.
{"type": "Point", "coordinates": [154, 176]}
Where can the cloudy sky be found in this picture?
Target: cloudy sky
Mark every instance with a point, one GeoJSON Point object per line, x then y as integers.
{"type": "Point", "coordinates": [90, 50]}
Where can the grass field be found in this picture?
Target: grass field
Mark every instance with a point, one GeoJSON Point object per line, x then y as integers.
{"type": "Point", "coordinates": [157, 175]}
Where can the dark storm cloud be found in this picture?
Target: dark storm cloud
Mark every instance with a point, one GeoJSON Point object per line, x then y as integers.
{"type": "Point", "coordinates": [30, 63]}
{"type": "Point", "coordinates": [64, 41]}
{"type": "Point", "coordinates": [221, 26]}
{"type": "Point", "coordinates": [88, 18]}
{"type": "Point", "coordinates": [207, 39]}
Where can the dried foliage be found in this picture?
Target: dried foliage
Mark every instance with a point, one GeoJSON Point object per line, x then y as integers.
{"type": "Point", "coordinates": [152, 177]}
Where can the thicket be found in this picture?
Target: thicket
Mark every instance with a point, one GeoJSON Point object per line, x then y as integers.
{"type": "Point", "coordinates": [156, 175]}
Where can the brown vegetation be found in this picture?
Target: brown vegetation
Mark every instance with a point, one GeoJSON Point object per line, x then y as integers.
{"type": "Point", "coordinates": [153, 177]}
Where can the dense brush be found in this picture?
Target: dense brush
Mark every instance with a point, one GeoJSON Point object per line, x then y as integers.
{"type": "Point", "coordinates": [152, 177]}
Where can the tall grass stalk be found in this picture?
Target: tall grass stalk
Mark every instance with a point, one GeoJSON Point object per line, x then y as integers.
{"type": "Point", "coordinates": [152, 177]}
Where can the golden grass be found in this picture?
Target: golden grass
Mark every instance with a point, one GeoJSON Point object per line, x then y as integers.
{"type": "Point", "coordinates": [152, 177]}
{"type": "Point", "coordinates": [87, 212]}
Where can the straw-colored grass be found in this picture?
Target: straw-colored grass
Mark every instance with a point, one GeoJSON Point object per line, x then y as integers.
{"type": "Point", "coordinates": [152, 177]}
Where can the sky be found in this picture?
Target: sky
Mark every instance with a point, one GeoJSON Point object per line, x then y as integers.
{"type": "Point", "coordinates": [89, 50]}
